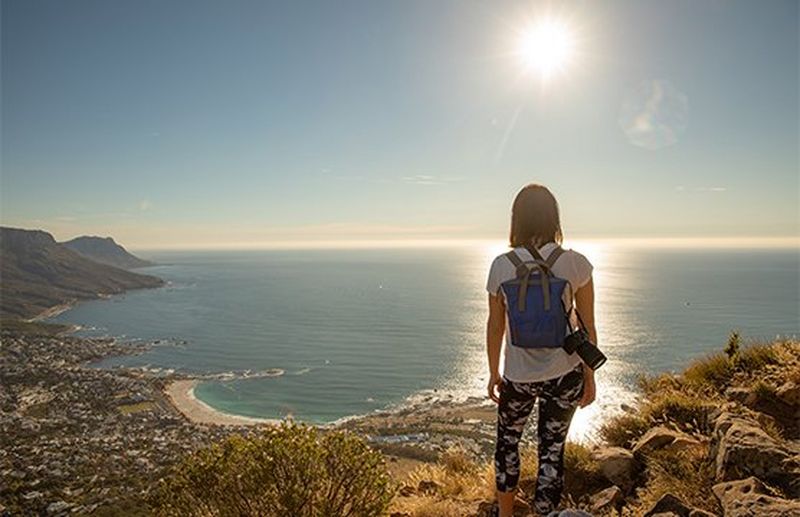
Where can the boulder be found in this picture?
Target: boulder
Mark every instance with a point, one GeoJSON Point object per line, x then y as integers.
{"type": "Point", "coordinates": [681, 444]}
{"type": "Point", "coordinates": [618, 466]}
{"type": "Point", "coordinates": [609, 499]}
{"type": "Point", "coordinates": [749, 497]}
{"type": "Point", "coordinates": [740, 448]}
{"type": "Point", "coordinates": [669, 505]}
{"type": "Point", "coordinates": [789, 393]}
{"type": "Point", "coordinates": [661, 437]}
{"type": "Point", "coordinates": [654, 439]}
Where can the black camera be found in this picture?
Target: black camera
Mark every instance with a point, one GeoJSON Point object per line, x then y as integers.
{"type": "Point", "coordinates": [579, 342]}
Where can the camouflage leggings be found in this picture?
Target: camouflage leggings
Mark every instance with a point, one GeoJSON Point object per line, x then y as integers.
{"type": "Point", "coordinates": [558, 399]}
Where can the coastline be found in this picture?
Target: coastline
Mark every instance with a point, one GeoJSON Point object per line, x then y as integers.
{"type": "Point", "coordinates": [53, 311]}
{"type": "Point", "coordinates": [180, 393]}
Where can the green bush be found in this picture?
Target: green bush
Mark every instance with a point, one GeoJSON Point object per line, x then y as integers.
{"type": "Point", "coordinates": [285, 470]}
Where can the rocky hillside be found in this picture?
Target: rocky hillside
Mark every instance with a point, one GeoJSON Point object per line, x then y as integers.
{"type": "Point", "coordinates": [38, 274]}
{"type": "Point", "coordinates": [721, 438]}
{"type": "Point", "coordinates": [105, 251]}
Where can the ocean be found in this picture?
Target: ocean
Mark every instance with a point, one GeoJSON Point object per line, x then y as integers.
{"type": "Point", "coordinates": [326, 334]}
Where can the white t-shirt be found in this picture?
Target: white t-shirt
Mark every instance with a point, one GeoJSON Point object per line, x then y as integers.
{"type": "Point", "coordinates": [540, 364]}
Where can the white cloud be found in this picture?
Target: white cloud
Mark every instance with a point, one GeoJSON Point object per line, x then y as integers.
{"type": "Point", "coordinates": [681, 188]}
{"type": "Point", "coordinates": [426, 179]}
{"type": "Point", "coordinates": [145, 204]}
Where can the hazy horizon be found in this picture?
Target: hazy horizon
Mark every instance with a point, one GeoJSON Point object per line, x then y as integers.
{"type": "Point", "coordinates": [196, 125]}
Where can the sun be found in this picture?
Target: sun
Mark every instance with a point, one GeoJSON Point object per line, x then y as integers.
{"type": "Point", "coordinates": [546, 47]}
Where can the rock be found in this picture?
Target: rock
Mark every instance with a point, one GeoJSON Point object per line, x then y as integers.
{"type": "Point", "coordinates": [670, 505]}
{"type": "Point", "coordinates": [681, 444]}
{"type": "Point", "coordinates": [738, 394]}
{"type": "Point", "coordinates": [618, 466]}
{"type": "Point", "coordinates": [609, 499]}
{"type": "Point", "coordinates": [740, 448]}
{"type": "Point", "coordinates": [486, 509]}
{"type": "Point", "coordinates": [789, 393]}
{"type": "Point", "coordinates": [58, 507]}
{"type": "Point", "coordinates": [697, 512]}
{"type": "Point", "coordinates": [660, 437]}
{"type": "Point", "coordinates": [749, 497]}
{"type": "Point", "coordinates": [428, 486]}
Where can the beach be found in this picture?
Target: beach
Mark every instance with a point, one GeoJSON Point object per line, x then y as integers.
{"type": "Point", "coordinates": [181, 394]}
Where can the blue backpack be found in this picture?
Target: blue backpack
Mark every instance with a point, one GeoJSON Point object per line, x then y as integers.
{"type": "Point", "coordinates": [536, 313]}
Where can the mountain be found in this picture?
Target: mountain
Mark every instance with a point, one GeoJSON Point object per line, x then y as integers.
{"type": "Point", "coordinates": [105, 251]}
{"type": "Point", "coordinates": [38, 274]}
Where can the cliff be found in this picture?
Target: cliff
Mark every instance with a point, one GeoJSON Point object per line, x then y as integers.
{"type": "Point", "coordinates": [37, 274]}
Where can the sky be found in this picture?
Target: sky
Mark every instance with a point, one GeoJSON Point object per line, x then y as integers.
{"type": "Point", "coordinates": [238, 123]}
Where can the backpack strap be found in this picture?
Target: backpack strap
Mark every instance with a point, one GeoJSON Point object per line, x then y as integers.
{"type": "Point", "coordinates": [520, 266]}
{"type": "Point", "coordinates": [524, 272]}
{"type": "Point", "coordinates": [551, 259]}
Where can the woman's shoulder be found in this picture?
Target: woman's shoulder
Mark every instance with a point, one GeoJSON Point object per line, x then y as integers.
{"type": "Point", "coordinates": [575, 255]}
{"type": "Point", "coordinates": [578, 266]}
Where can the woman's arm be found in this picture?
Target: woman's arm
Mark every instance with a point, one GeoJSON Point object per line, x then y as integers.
{"type": "Point", "coordinates": [584, 302]}
{"type": "Point", "coordinates": [495, 328]}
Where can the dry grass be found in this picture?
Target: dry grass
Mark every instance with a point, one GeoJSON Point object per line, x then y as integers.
{"type": "Point", "coordinates": [624, 429]}
{"type": "Point", "coordinates": [717, 371]}
{"type": "Point", "coordinates": [687, 474]}
{"type": "Point", "coordinates": [431, 507]}
{"type": "Point", "coordinates": [456, 476]}
{"type": "Point", "coordinates": [581, 472]}
{"type": "Point", "coordinates": [713, 371]}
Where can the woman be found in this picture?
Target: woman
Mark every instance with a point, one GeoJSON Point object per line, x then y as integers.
{"type": "Point", "coordinates": [557, 379]}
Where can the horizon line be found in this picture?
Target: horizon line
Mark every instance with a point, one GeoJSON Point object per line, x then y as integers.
{"type": "Point", "coordinates": [714, 242]}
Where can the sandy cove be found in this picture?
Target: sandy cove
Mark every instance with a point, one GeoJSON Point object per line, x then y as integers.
{"type": "Point", "coordinates": [181, 394]}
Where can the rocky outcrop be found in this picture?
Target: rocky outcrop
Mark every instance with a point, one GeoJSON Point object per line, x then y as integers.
{"type": "Point", "coordinates": [749, 497]}
{"type": "Point", "coordinates": [740, 448]}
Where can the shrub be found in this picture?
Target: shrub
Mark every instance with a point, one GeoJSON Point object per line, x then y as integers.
{"type": "Point", "coordinates": [288, 469]}
{"type": "Point", "coordinates": [713, 371]}
{"type": "Point", "coordinates": [756, 357]}
{"type": "Point", "coordinates": [732, 347]}
{"type": "Point", "coordinates": [687, 411]}
{"type": "Point", "coordinates": [622, 430]}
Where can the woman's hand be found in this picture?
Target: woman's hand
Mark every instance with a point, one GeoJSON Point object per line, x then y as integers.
{"type": "Point", "coordinates": [495, 383]}
{"type": "Point", "coordinates": [589, 388]}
